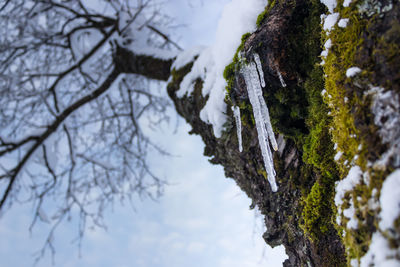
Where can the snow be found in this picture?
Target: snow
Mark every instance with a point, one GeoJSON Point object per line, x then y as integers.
{"type": "Point", "coordinates": [386, 108]}
{"type": "Point", "coordinates": [343, 23]}
{"type": "Point", "coordinates": [330, 21]}
{"type": "Point", "coordinates": [338, 155]}
{"type": "Point", "coordinates": [352, 179]}
{"type": "Point", "coordinates": [51, 151]}
{"type": "Point", "coordinates": [136, 35]}
{"type": "Point", "coordinates": [238, 120]}
{"type": "Point", "coordinates": [350, 213]}
{"type": "Point", "coordinates": [261, 116]}
{"type": "Point", "coordinates": [390, 200]}
{"type": "Point", "coordinates": [328, 44]}
{"type": "Point", "coordinates": [82, 41]}
{"type": "Point", "coordinates": [187, 56]}
{"type": "Point", "coordinates": [153, 52]}
{"type": "Point", "coordinates": [203, 65]}
{"type": "Point", "coordinates": [238, 17]}
{"type": "Point", "coordinates": [353, 71]}
{"type": "Point", "coordinates": [379, 253]}
{"type": "Point", "coordinates": [330, 4]}
{"type": "Point", "coordinates": [43, 216]}
{"type": "Point", "coordinates": [347, 3]}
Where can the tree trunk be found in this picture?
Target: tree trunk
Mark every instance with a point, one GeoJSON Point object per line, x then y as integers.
{"type": "Point", "coordinates": [311, 126]}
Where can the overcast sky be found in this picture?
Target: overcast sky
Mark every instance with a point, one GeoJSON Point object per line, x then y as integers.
{"type": "Point", "coordinates": [203, 219]}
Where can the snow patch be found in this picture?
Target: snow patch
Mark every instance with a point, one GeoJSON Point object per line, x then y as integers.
{"type": "Point", "coordinates": [390, 200]}
{"type": "Point", "coordinates": [187, 56]}
{"type": "Point", "coordinates": [353, 71]}
{"type": "Point", "coordinates": [379, 253]}
{"type": "Point", "coordinates": [330, 4]}
{"type": "Point", "coordinates": [238, 17]}
{"type": "Point", "coordinates": [352, 179]}
{"type": "Point", "coordinates": [347, 3]}
{"type": "Point", "coordinates": [343, 23]}
{"type": "Point", "coordinates": [350, 213]}
{"type": "Point", "coordinates": [338, 155]}
{"type": "Point", "coordinates": [386, 108]}
{"type": "Point", "coordinates": [330, 21]}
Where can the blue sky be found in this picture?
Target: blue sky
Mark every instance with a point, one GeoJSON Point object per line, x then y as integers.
{"type": "Point", "coordinates": [203, 219]}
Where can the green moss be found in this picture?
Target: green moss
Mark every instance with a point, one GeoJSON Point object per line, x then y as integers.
{"type": "Point", "coordinates": [365, 44]}
{"type": "Point", "coordinates": [314, 205]}
{"type": "Point", "coordinates": [261, 17]}
{"type": "Point", "coordinates": [231, 69]}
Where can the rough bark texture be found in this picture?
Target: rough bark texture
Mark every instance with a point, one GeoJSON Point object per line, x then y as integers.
{"type": "Point", "coordinates": [282, 210]}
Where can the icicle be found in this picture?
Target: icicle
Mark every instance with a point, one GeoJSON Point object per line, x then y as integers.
{"type": "Point", "coordinates": [236, 114]}
{"type": "Point", "coordinates": [261, 116]}
{"type": "Point", "coordinates": [259, 69]}
{"type": "Point", "coordinates": [281, 78]}
{"type": "Point", "coordinates": [268, 125]}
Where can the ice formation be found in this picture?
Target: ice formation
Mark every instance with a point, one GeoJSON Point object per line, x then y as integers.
{"type": "Point", "coordinates": [236, 114]}
{"type": "Point", "coordinates": [259, 69]}
{"type": "Point", "coordinates": [261, 116]}
{"type": "Point", "coordinates": [281, 78]}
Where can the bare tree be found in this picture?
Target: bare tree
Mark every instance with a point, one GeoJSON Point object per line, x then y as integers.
{"type": "Point", "coordinates": [76, 84]}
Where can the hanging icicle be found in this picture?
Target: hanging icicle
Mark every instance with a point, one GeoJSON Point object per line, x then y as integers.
{"type": "Point", "coordinates": [259, 69]}
{"type": "Point", "coordinates": [251, 74]}
{"type": "Point", "coordinates": [280, 77]}
{"type": "Point", "coordinates": [236, 114]}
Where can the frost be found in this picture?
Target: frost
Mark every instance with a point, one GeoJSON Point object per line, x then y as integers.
{"type": "Point", "coordinates": [343, 23]}
{"type": "Point", "coordinates": [236, 114]}
{"type": "Point", "coordinates": [281, 78]}
{"type": "Point", "coordinates": [330, 21]}
{"type": "Point", "coordinates": [353, 71]}
{"type": "Point", "coordinates": [261, 116]}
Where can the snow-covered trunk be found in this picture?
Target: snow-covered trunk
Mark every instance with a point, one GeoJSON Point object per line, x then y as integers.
{"type": "Point", "coordinates": [261, 116]}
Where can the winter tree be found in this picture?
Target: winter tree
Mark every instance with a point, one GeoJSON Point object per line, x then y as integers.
{"type": "Point", "coordinates": [77, 81]}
